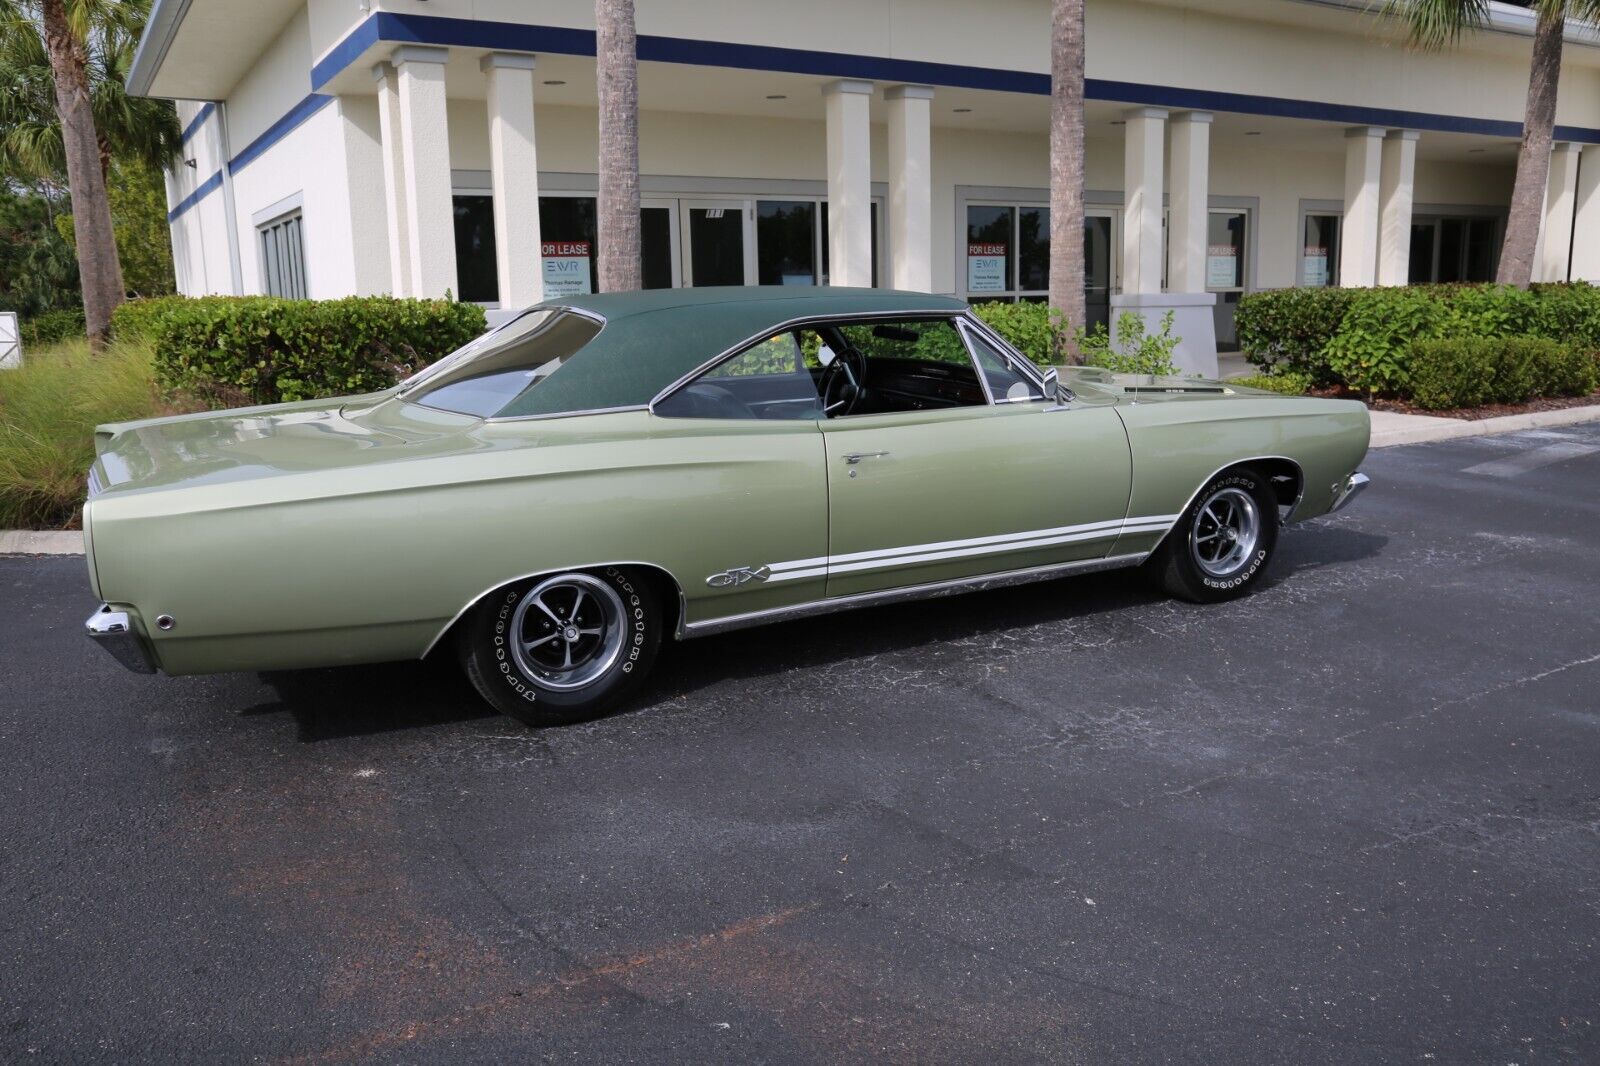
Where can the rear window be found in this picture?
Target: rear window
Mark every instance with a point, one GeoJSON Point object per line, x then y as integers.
{"type": "Point", "coordinates": [490, 375]}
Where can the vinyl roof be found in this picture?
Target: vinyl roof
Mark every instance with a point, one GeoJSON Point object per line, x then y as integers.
{"type": "Point", "coordinates": [654, 337]}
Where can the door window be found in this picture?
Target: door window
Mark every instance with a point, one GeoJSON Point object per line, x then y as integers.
{"type": "Point", "coordinates": [1319, 251]}
{"type": "Point", "coordinates": [716, 244]}
{"type": "Point", "coordinates": [477, 274]}
{"type": "Point", "coordinates": [1006, 383]}
{"type": "Point", "coordinates": [1226, 269]}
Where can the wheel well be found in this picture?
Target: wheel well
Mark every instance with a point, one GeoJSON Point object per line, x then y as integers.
{"type": "Point", "coordinates": [662, 583]}
{"type": "Point", "coordinates": [1284, 475]}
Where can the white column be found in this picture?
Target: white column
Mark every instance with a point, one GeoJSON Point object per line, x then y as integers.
{"type": "Point", "coordinates": [1396, 192]}
{"type": "Point", "coordinates": [1586, 224]}
{"type": "Point", "coordinates": [1358, 236]}
{"type": "Point", "coordinates": [910, 187]}
{"type": "Point", "coordinates": [514, 174]}
{"type": "Point", "coordinates": [1144, 150]}
{"type": "Point", "coordinates": [425, 166]}
{"type": "Point", "coordinates": [849, 182]}
{"type": "Point", "coordinates": [1191, 171]}
{"type": "Point", "coordinates": [394, 182]}
{"type": "Point", "coordinates": [1560, 204]}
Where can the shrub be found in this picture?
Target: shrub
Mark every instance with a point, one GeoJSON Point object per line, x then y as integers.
{"type": "Point", "coordinates": [1368, 352]}
{"type": "Point", "coordinates": [262, 349]}
{"type": "Point", "coordinates": [1288, 382]}
{"type": "Point", "coordinates": [1473, 371]}
{"type": "Point", "coordinates": [1134, 351]}
{"type": "Point", "coordinates": [1289, 329]}
{"type": "Point", "coordinates": [51, 327]}
{"type": "Point", "coordinates": [48, 410]}
{"type": "Point", "coordinates": [1025, 326]}
{"type": "Point", "coordinates": [1569, 313]}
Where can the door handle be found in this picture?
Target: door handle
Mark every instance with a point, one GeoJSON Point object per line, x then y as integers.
{"type": "Point", "coordinates": [852, 458]}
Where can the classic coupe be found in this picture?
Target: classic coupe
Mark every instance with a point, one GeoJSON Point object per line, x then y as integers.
{"type": "Point", "coordinates": [602, 473]}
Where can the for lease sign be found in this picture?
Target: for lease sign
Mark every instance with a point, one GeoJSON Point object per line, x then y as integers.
{"type": "Point", "coordinates": [566, 267]}
{"type": "Point", "coordinates": [986, 266]}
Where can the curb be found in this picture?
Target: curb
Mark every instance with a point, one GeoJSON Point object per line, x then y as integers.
{"type": "Point", "coordinates": [1485, 427]}
{"type": "Point", "coordinates": [37, 542]}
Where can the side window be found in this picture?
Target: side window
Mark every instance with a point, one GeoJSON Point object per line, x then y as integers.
{"type": "Point", "coordinates": [1006, 384]}
{"type": "Point", "coordinates": [771, 379]}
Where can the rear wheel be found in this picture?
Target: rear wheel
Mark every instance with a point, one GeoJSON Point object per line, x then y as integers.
{"type": "Point", "coordinates": [1221, 545]}
{"type": "Point", "coordinates": [563, 648]}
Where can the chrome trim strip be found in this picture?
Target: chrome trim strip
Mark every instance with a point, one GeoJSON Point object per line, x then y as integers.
{"type": "Point", "coordinates": [930, 590]}
{"type": "Point", "coordinates": [1354, 485]}
{"type": "Point", "coordinates": [796, 323]}
{"type": "Point", "coordinates": [497, 420]}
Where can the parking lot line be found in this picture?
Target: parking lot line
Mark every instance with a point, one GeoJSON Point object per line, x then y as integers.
{"type": "Point", "coordinates": [1532, 459]}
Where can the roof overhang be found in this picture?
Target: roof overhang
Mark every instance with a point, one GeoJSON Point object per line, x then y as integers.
{"type": "Point", "coordinates": [199, 49]}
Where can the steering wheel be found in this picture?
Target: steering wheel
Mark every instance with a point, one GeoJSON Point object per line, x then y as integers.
{"type": "Point", "coordinates": [843, 382]}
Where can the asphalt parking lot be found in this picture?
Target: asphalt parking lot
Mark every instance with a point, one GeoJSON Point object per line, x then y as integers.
{"type": "Point", "coordinates": [1356, 816]}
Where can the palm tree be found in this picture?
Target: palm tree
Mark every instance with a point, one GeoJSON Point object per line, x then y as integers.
{"type": "Point", "coordinates": [617, 71]}
{"type": "Point", "coordinates": [1066, 175]}
{"type": "Point", "coordinates": [64, 114]}
{"type": "Point", "coordinates": [1436, 24]}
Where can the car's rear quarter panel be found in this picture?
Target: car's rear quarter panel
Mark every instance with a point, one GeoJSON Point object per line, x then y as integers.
{"type": "Point", "coordinates": [371, 563]}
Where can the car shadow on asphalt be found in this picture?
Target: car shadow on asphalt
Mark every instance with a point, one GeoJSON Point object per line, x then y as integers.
{"type": "Point", "coordinates": [350, 701]}
{"type": "Point", "coordinates": [824, 640]}
{"type": "Point", "coordinates": [341, 702]}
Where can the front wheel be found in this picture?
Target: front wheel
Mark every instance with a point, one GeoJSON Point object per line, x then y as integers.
{"type": "Point", "coordinates": [563, 648]}
{"type": "Point", "coordinates": [1220, 546]}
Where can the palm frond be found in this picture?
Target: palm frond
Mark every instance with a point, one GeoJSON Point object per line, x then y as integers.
{"type": "Point", "coordinates": [1435, 24]}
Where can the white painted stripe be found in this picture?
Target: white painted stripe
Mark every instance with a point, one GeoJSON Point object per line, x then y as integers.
{"type": "Point", "coordinates": [939, 551]}
{"type": "Point", "coordinates": [1523, 462]}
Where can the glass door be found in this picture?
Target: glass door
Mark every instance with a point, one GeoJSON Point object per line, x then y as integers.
{"type": "Point", "coordinates": [658, 244]}
{"type": "Point", "coordinates": [719, 242]}
{"type": "Point", "coordinates": [1227, 232]}
{"type": "Point", "coordinates": [1099, 280]}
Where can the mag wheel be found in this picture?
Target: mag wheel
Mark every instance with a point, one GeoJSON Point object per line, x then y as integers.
{"type": "Point", "coordinates": [563, 648]}
{"type": "Point", "coordinates": [1220, 546]}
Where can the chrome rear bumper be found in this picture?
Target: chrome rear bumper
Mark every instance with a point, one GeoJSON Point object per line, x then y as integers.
{"type": "Point", "coordinates": [1352, 487]}
{"type": "Point", "coordinates": [116, 633]}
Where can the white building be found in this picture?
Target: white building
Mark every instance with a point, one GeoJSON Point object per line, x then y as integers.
{"type": "Point", "coordinates": [423, 146]}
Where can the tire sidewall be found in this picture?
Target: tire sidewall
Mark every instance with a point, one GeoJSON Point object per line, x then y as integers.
{"type": "Point", "coordinates": [500, 678]}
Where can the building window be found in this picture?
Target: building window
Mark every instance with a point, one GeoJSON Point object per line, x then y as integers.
{"type": "Point", "coordinates": [1319, 251]}
{"type": "Point", "coordinates": [1008, 256]}
{"type": "Point", "coordinates": [1453, 249]}
{"type": "Point", "coordinates": [477, 273]}
{"type": "Point", "coordinates": [1227, 272]}
{"type": "Point", "coordinates": [786, 242]}
{"type": "Point", "coordinates": [283, 261]}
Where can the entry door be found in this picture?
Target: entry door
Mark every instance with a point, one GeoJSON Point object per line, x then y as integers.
{"type": "Point", "coordinates": [718, 244]}
{"type": "Point", "coordinates": [926, 496]}
{"type": "Point", "coordinates": [1099, 255]}
{"type": "Point", "coordinates": [659, 244]}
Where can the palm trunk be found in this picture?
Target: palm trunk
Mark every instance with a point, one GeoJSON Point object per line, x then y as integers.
{"type": "Point", "coordinates": [617, 71]}
{"type": "Point", "coordinates": [1066, 175]}
{"type": "Point", "coordinates": [98, 270]}
{"type": "Point", "coordinates": [1533, 159]}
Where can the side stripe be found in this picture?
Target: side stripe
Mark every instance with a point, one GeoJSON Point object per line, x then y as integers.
{"type": "Point", "coordinates": [938, 551]}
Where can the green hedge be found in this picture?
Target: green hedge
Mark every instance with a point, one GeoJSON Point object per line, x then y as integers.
{"type": "Point", "coordinates": [1366, 338]}
{"type": "Point", "coordinates": [1288, 382]}
{"type": "Point", "coordinates": [52, 327]}
{"type": "Point", "coordinates": [1471, 372]}
{"type": "Point", "coordinates": [261, 349]}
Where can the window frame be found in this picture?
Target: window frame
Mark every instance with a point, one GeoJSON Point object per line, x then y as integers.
{"type": "Point", "coordinates": [960, 321]}
{"type": "Point", "coordinates": [269, 222]}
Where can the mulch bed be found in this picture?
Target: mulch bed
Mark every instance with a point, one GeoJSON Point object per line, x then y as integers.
{"type": "Point", "coordinates": [1471, 414]}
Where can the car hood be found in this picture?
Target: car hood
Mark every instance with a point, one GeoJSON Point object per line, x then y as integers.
{"type": "Point", "coordinates": [256, 442]}
{"type": "Point", "coordinates": [1095, 385]}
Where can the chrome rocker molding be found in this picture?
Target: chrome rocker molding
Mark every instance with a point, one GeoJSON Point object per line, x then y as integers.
{"type": "Point", "coordinates": [1345, 493]}
{"type": "Point", "coordinates": [932, 590]}
{"type": "Point", "coordinates": [114, 631]}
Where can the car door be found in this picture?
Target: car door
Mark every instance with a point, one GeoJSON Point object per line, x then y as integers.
{"type": "Point", "coordinates": [940, 494]}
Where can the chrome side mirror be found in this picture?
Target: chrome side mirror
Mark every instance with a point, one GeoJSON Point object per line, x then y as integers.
{"type": "Point", "coordinates": [1057, 389]}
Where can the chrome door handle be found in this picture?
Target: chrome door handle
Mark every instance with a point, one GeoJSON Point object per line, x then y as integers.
{"type": "Point", "coordinates": [853, 458]}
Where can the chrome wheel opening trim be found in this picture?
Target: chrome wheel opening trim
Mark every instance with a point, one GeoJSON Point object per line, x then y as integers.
{"type": "Point", "coordinates": [1225, 532]}
{"type": "Point", "coordinates": [931, 590]}
{"type": "Point", "coordinates": [1195, 495]}
{"type": "Point", "coordinates": [567, 631]}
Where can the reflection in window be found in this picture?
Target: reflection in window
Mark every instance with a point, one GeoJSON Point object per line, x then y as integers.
{"type": "Point", "coordinates": [1006, 383]}
{"type": "Point", "coordinates": [1319, 251]}
{"type": "Point", "coordinates": [786, 242]}
{"type": "Point", "coordinates": [768, 380]}
{"type": "Point", "coordinates": [487, 377]}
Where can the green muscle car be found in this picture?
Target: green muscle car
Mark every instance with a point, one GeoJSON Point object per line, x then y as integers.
{"type": "Point", "coordinates": [602, 473]}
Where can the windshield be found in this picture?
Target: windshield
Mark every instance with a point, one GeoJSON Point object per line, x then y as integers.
{"type": "Point", "coordinates": [488, 375]}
